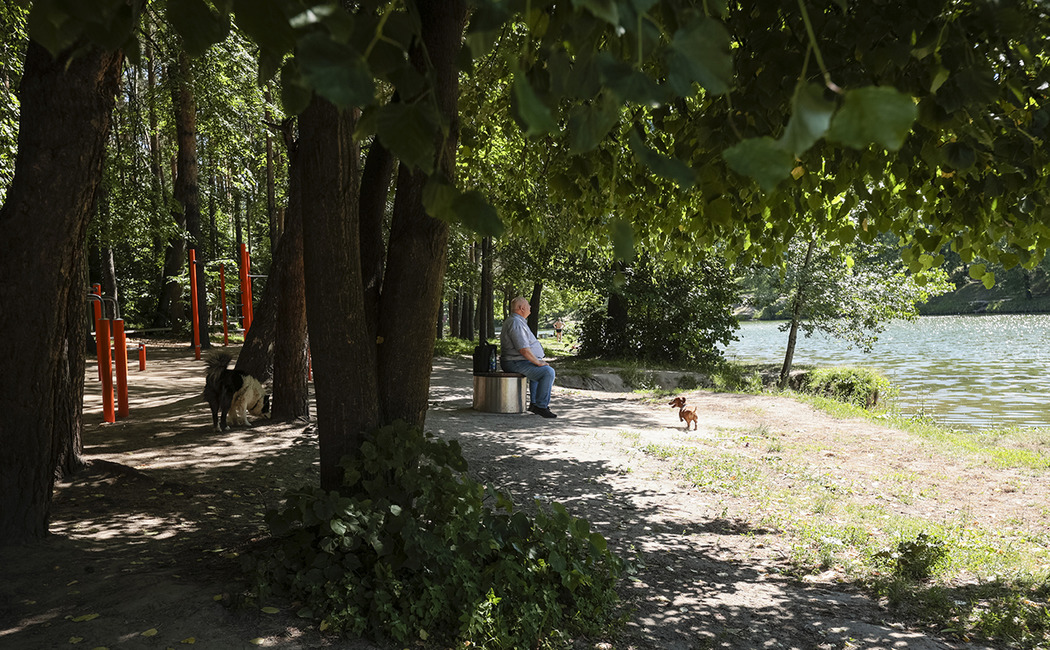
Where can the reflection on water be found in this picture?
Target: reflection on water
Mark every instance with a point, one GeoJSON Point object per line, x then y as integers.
{"type": "Point", "coordinates": [967, 371]}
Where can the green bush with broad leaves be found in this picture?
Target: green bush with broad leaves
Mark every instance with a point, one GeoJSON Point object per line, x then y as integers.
{"type": "Point", "coordinates": [413, 549]}
{"type": "Point", "coordinates": [860, 386]}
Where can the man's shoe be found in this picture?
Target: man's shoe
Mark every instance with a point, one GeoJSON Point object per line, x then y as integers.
{"type": "Point", "coordinates": [533, 408]}
{"type": "Point", "coordinates": [544, 412]}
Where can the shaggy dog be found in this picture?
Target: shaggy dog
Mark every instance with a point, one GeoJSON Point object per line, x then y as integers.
{"type": "Point", "coordinates": [235, 390]}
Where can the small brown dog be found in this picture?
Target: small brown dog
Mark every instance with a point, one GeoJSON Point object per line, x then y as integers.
{"type": "Point", "coordinates": [686, 414]}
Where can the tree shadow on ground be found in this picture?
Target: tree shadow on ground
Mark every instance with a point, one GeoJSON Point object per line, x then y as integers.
{"type": "Point", "coordinates": [151, 540]}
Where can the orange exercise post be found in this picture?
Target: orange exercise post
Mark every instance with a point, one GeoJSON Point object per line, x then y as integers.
{"type": "Point", "coordinates": [120, 352]}
{"type": "Point", "coordinates": [193, 302]}
{"type": "Point", "coordinates": [142, 356]}
{"type": "Point", "coordinates": [222, 294]}
{"type": "Point", "coordinates": [107, 373]}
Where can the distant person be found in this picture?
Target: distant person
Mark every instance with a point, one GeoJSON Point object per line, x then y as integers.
{"type": "Point", "coordinates": [522, 353]}
{"type": "Point", "coordinates": [558, 327]}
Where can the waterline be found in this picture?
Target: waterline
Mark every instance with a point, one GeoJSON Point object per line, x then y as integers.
{"type": "Point", "coordinates": [965, 371]}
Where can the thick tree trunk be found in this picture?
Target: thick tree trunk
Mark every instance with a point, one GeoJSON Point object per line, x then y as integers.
{"type": "Point", "coordinates": [375, 186]}
{"type": "Point", "coordinates": [64, 123]}
{"type": "Point", "coordinates": [343, 350]}
{"type": "Point", "coordinates": [291, 393]}
{"type": "Point", "coordinates": [187, 187]}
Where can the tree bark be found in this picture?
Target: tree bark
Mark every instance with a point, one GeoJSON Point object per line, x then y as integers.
{"type": "Point", "coordinates": [534, 304]}
{"type": "Point", "coordinates": [65, 117]}
{"type": "Point", "coordinates": [486, 323]}
{"type": "Point", "coordinates": [344, 352]}
{"type": "Point", "coordinates": [798, 304]}
{"type": "Point", "coordinates": [187, 187]}
{"type": "Point", "coordinates": [291, 393]}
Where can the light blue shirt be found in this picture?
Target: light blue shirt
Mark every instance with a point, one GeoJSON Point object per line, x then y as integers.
{"type": "Point", "coordinates": [516, 335]}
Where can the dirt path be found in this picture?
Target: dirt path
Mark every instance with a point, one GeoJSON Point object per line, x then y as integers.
{"type": "Point", "coordinates": [147, 557]}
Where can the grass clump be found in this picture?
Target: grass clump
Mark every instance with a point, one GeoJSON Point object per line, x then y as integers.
{"type": "Point", "coordinates": [862, 387]}
{"type": "Point", "coordinates": [412, 549]}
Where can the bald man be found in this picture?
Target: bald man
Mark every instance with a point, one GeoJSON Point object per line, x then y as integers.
{"type": "Point", "coordinates": [522, 353]}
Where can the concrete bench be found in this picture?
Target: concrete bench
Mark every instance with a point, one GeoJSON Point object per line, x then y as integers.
{"type": "Point", "coordinates": [500, 392]}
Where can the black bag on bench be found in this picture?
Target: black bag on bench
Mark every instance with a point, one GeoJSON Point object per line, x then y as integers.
{"type": "Point", "coordinates": [482, 355]}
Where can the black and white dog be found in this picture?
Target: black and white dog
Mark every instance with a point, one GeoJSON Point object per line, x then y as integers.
{"type": "Point", "coordinates": [228, 390]}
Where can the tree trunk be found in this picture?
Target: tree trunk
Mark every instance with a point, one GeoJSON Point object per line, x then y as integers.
{"type": "Point", "coordinates": [271, 185]}
{"type": "Point", "coordinates": [798, 304]}
{"type": "Point", "coordinates": [64, 123]}
{"type": "Point", "coordinates": [291, 393]}
{"type": "Point", "coordinates": [486, 324]}
{"type": "Point", "coordinates": [344, 353]}
{"type": "Point", "coordinates": [534, 303]}
{"type": "Point", "coordinates": [466, 316]}
{"type": "Point", "coordinates": [375, 187]}
{"type": "Point", "coordinates": [187, 188]}
{"type": "Point", "coordinates": [69, 420]}
{"type": "Point", "coordinates": [453, 316]}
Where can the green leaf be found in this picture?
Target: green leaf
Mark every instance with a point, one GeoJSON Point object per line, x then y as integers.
{"type": "Point", "coordinates": [408, 131]}
{"type": "Point", "coordinates": [701, 52]}
{"type": "Point", "coordinates": [266, 24]}
{"type": "Point", "coordinates": [591, 124]}
{"type": "Point", "coordinates": [959, 156]}
{"type": "Point", "coordinates": [810, 117]}
{"type": "Point", "coordinates": [629, 83]}
{"type": "Point", "coordinates": [989, 280]}
{"type": "Point", "coordinates": [198, 25]}
{"type": "Point", "coordinates": [977, 271]}
{"type": "Point", "coordinates": [622, 234]}
{"type": "Point", "coordinates": [295, 94]}
{"type": "Point", "coordinates": [532, 112]}
{"type": "Point", "coordinates": [873, 114]}
{"type": "Point", "coordinates": [661, 165]}
{"type": "Point", "coordinates": [604, 9]}
{"type": "Point", "coordinates": [763, 159]}
{"type": "Point", "coordinates": [335, 70]}
{"type": "Point", "coordinates": [472, 209]}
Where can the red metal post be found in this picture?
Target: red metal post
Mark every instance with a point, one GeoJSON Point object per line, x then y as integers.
{"type": "Point", "coordinates": [120, 354]}
{"type": "Point", "coordinates": [222, 299]}
{"type": "Point", "coordinates": [193, 302]}
{"type": "Point", "coordinates": [142, 356]}
{"type": "Point", "coordinates": [107, 374]}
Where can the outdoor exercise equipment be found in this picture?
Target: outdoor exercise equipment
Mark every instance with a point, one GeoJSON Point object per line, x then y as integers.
{"type": "Point", "coordinates": [245, 276]}
{"type": "Point", "coordinates": [104, 329]}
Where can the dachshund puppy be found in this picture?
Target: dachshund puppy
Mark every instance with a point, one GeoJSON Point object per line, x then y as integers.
{"type": "Point", "coordinates": [686, 414]}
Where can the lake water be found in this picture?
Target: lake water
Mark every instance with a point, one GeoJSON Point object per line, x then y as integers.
{"type": "Point", "coordinates": [964, 371]}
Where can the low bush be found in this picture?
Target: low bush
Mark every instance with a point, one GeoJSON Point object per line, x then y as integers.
{"type": "Point", "coordinates": [412, 549]}
{"type": "Point", "coordinates": [862, 387]}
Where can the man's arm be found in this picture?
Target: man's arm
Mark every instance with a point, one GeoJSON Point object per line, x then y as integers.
{"type": "Point", "coordinates": [527, 353]}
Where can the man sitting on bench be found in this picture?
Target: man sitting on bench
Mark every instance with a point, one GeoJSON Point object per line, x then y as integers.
{"type": "Point", "coordinates": [522, 353]}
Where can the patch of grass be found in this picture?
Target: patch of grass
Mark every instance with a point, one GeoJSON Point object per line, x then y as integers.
{"type": "Point", "coordinates": [925, 570]}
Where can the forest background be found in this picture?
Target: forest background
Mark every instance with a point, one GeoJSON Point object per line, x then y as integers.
{"type": "Point", "coordinates": [636, 155]}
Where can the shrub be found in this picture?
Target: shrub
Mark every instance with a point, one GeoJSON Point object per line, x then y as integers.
{"type": "Point", "coordinates": [411, 550]}
{"type": "Point", "coordinates": [860, 386]}
{"type": "Point", "coordinates": [913, 559]}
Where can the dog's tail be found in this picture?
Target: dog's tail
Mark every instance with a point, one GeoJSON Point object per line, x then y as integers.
{"type": "Point", "coordinates": [218, 360]}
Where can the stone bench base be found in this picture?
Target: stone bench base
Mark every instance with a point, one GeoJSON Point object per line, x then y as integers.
{"type": "Point", "coordinates": [500, 392]}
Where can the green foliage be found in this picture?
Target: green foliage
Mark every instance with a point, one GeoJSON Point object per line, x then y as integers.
{"type": "Point", "coordinates": [453, 347]}
{"type": "Point", "coordinates": [413, 549]}
{"type": "Point", "coordinates": [858, 386]}
{"type": "Point", "coordinates": [664, 316]}
{"type": "Point", "coordinates": [913, 559]}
